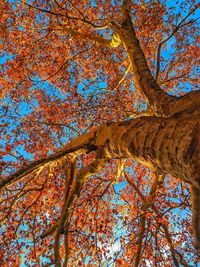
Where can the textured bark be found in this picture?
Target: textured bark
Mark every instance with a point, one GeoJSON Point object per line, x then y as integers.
{"type": "Point", "coordinates": [169, 145]}
{"type": "Point", "coordinates": [196, 215]}
{"type": "Point", "coordinates": [152, 92]}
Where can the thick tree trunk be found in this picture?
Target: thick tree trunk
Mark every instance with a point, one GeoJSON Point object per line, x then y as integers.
{"type": "Point", "coordinates": [170, 145]}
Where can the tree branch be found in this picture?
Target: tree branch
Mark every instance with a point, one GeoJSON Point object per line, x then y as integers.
{"type": "Point", "coordinates": [179, 26]}
{"type": "Point", "coordinates": [63, 65]}
{"type": "Point", "coordinates": [152, 92]}
{"type": "Point", "coordinates": [171, 246]}
{"type": "Point", "coordinates": [147, 203]}
{"type": "Point", "coordinates": [162, 103]}
{"type": "Point", "coordinates": [73, 194]}
{"type": "Point", "coordinates": [66, 15]}
{"type": "Point", "coordinates": [95, 38]}
{"type": "Point", "coordinates": [78, 146]}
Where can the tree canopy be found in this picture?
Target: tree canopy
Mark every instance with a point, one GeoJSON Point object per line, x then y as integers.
{"type": "Point", "coordinates": [95, 96]}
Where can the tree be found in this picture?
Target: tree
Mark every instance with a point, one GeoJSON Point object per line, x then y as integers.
{"type": "Point", "coordinates": [101, 122]}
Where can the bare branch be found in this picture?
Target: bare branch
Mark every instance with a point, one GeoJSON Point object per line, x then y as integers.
{"type": "Point", "coordinates": [147, 203]}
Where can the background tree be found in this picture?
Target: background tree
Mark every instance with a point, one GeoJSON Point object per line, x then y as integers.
{"type": "Point", "coordinates": [119, 193]}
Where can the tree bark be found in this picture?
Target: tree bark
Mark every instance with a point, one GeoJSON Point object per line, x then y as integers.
{"type": "Point", "coordinates": [162, 103]}
{"type": "Point", "coordinates": [169, 145]}
{"type": "Point", "coordinates": [195, 192]}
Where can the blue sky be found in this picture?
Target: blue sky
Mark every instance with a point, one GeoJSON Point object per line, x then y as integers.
{"type": "Point", "coordinates": [98, 85]}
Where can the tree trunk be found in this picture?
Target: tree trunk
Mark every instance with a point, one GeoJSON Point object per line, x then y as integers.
{"type": "Point", "coordinates": [170, 145]}
{"type": "Point", "coordinates": [195, 192]}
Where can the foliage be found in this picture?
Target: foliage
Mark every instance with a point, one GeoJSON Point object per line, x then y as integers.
{"type": "Point", "coordinates": [63, 74]}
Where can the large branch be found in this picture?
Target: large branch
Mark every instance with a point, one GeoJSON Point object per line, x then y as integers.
{"type": "Point", "coordinates": [77, 146]}
{"type": "Point", "coordinates": [94, 37]}
{"type": "Point", "coordinates": [162, 103]}
{"type": "Point", "coordinates": [145, 80]}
